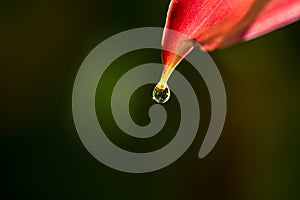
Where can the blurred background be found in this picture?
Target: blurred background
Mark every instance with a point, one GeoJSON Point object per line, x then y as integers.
{"type": "Point", "coordinates": [43, 44]}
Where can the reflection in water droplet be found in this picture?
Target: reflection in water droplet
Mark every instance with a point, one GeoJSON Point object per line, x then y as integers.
{"type": "Point", "coordinates": [161, 95]}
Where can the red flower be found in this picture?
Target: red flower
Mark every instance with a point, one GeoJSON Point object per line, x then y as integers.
{"type": "Point", "coordinates": [218, 23]}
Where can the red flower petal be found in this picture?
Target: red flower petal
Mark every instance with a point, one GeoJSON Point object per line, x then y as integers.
{"type": "Point", "coordinates": [217, 23]}
{"type": "Point", "coordinates": [275, 14]}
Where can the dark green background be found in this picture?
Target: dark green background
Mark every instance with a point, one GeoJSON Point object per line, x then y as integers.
{"type": "Point", "coordinates": [42, 46]}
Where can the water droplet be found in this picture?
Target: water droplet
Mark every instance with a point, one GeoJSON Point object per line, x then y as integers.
{"type": "Point", "coordinates": [161, 92]}
{"type": "Point", "coordinates": [161, 95]}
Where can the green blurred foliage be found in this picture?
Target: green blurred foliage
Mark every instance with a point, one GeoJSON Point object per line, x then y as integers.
{"type": "Point", "coordinates": [42, 46]}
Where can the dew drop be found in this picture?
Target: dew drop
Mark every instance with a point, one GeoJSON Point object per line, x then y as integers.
{"type": "Point", "coordinates": [161, 94]}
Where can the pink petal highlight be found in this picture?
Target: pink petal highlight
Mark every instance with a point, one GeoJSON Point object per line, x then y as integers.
{"type": "Point", "coordinates": [276, 14]}
{"type": "Point", "coordinates": [218, 23]}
